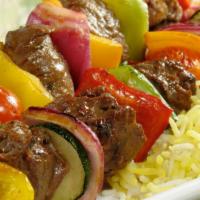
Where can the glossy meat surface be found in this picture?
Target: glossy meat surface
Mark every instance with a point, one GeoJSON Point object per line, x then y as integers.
{"type": "Point", "coordinates": [163, 10]}
{"type": "Point", "coordinates": [176, 84]}
{"type": "Point", "coordinates": [31, 49]}
{"type": "Point", "coordinates": [115, 125]}
{"type": "Point", "coordinates": [32, 151]}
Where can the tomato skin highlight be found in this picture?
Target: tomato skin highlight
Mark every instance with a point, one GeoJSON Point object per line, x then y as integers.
{"type": "Point", "coordinates": [151, 113]}
{"type": "Point", "coordinates": [10, 108]}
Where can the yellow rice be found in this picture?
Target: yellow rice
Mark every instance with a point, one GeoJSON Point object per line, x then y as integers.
{"type": "Point", "coordinates": [173, 160]}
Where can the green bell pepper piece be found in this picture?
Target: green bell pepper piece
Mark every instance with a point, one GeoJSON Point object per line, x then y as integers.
{"type": "Point", "coordinates": [134, 21]}
{"type": "Point", "coordinates": [133, 78]}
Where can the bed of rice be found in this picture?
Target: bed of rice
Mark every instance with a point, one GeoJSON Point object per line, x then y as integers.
{"type": "Point", "coordinates": [173, 160]}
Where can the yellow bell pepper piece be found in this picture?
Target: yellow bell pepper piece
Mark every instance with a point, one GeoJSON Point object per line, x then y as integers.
{"type": "Point", "coordinates": [54, 2]}
{"type": "Point", "coordinates": [179, 46]}
{"type": "Point", "coordinates": [14, 185]}
{"type": "Point", "coordinates": [158, 40]}
{"type": "Point", "coordinates": [105, 53]}
{"type": "Point", "coordinates": [27, 87]}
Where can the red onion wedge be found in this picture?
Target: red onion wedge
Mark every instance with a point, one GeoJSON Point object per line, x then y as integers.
{"type": "Point", "coordinates": [71, 35]}
{"type": "Point", "coordinates": [87, 138]}
{"type": "Point", "coordinates": [183, 27]}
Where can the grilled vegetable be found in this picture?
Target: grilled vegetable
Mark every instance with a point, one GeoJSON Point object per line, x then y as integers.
{"type": "Point", "coordinates": [72, 185]}
{"type": "Point", "coordinates": [105, 53]}
{"type": "Point", "coordinates": [27, 87]}
{"type": "Point", "coordinates": [66, 131]}
{"type": "Point", "coordinates": [151, 113]}
{"type": "Point", "coordinates": [179, 46]}
{"type": "Point", "coordinates": [14, 184]}
{"type": "Point", "coordinates": [71, 35]}
{"type": "Point", "coordinates": [133, 78]}
{"type": "Point", "coordinates": [10, 106]}
{"type": "Point", "coordinates": [32, 50]}
{"type": "Point", "coordinates": [183, 27]}
{"type": "Point", "coordinates": [134, 20]}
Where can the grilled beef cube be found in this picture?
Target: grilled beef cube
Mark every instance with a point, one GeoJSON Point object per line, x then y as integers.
{"type": "Point", "coordinates": [31, 151]}
{"type": "Point", "coordinates": [115, 125]}
{"type": "Point", "coordinates": [31, 49]}
{"type": "Point", "coordinates": [102, 21]}
{"type": "Point", "coordinates": [163, 10]}
{"type": "Point", "coordinates": [176, 84]}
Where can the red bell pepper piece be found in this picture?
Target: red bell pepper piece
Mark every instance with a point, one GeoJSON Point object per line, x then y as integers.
{"type": "Point", "coordinates": [185, 4]}
{"type": "Point", "coordinates": [151, 113]}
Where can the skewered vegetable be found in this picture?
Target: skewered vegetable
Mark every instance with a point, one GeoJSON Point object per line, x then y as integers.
{"type": "Point", "coordinates": [14, 184]}
{"type": "Point", "coordinates": [179, 46]}
{"type": "Point", "coordinates": [10, 108]}
{"type": "Point", "coordinates": [128, 13]}
{"type": "Point", "coordinates": [146, 106]}
{"type": "Point", "coordinates": [27, 87]}
{"type": "Point", "coordinates": [89, 141]}
{"type": "Point", "coordinates": [105, 53]}
{"type": "Point", "coordinates": [71, 35]}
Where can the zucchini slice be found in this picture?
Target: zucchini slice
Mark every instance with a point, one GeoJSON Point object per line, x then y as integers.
{"type": "Point", "coordinates": [84, 142]}
{"type": "Point", "coordinates": [75, 181]}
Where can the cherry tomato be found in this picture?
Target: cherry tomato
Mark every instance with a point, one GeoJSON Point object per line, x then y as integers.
{"type": "Point", "coordinates": [10, 108]}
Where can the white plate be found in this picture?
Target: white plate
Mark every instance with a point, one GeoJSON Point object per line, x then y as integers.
{"type": "Point", "coordinates": [187, 191]}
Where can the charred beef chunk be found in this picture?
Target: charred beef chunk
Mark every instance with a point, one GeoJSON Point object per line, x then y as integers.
{"type": "Point", "coordinates": [163, 10]}
{"type": "Point", "coordinates": [174, 82]}
{"type": "Point", "coordinates": [115, 125]}
{"type": "Point", "coordinates": [101, 20]}
{"type": "Point", "coordinates": [31, 49]}
{"type": "Point", "coordinates": [31, 151]}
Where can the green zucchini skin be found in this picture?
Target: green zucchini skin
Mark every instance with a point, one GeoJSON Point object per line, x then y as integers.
{"type": "Point", "coordinates": [75, 144]}
{"type": "Point", "coordinates": [37, 116]}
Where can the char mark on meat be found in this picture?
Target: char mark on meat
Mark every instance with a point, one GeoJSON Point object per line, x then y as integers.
{"type": "Point", "coordinates": [115, 125]}
{"type": "Point", "coordinates": [176, 84]}
{"type": "Point", "coordinates": [163, 11]}
{"type": "Point", "coordinates": [31, 49]}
